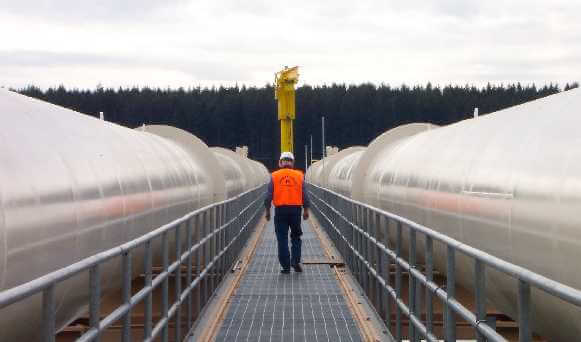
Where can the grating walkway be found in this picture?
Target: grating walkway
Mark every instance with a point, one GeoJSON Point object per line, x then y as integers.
{"type": "Point", "coordinates": [269, 306]}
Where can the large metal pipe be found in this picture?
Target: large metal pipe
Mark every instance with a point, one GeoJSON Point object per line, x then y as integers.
{"type": "Point", "coordinates": [507, 183]}
{"type": "Point", "coordinates": [235, 170]}
{"type": "Point", "coordinates": [240, 172]}
{"type": "Point", "coordinates": [72, 185]}
{"type": "Point", "coordinates": [339, 173]}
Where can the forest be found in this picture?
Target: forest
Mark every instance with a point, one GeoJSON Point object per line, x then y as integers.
{"type": "Point", "coordinates": [236, 116]}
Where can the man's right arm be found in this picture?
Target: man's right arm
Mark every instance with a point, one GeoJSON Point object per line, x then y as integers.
{"type": "Point", "coordinates": [268, 198]}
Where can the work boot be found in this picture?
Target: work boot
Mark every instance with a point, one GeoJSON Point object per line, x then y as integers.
{"type": "Point", "coordinates": [298, 268]}
{"type": "Point", "coordinates": [285, 270]}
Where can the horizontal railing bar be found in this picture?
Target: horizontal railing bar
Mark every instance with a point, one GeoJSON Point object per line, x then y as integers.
{"type": "Point", "coordinates": [114, 316]}
{"type": "Point", "coordinates": [454, 304]}
{"type": "Point", "coordinates": [466, 314]}
{"type": "Point", "coordinates": [34, 286]}
{"type": "Point", "coordinates": [164, 320]}
{"type": "Point", "coordinates": [135, 299]}
{"type": "Point", "coordinates": [382, 282]}
{"type": "Point", "coordinates": [37, 285]}
{"type": "Point", "coordinates": [121, 311]}
{"type": "Point", "coordinates": [15, 294]}
{"type": "Point", "coordinates": [157, 329]}
{"type": "Point", "coordinates": [405, 309]}
{"type": "Point", "coordinates": [89, 335]}
{"type": "Point", "coordinates": [550, 286]}
{"type": "Point", "coordinates": [436, 289]}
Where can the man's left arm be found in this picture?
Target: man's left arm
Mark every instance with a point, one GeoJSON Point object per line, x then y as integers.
{"type": "Point", "coordinates": [306, 203]}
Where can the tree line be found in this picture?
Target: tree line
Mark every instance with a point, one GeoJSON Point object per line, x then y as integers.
{"type": "Point", "coordinates": [235, 116]}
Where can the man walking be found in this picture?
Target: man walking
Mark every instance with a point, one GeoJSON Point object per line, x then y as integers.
{"type": "Point", "coordinates": [286, 191]}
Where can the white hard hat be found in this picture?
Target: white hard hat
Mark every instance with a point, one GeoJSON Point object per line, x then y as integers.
{"type": "Point", "coordinates": [287, 155]}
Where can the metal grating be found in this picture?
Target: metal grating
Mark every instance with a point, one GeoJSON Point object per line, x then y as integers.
{"type": "Point", "coordinates": [269, 306]}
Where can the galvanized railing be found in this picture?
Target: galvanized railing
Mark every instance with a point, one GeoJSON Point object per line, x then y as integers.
{"type": "Point", "coordinates": [214, 236]}
{"type": "Point", "coordinates": [361, 234]}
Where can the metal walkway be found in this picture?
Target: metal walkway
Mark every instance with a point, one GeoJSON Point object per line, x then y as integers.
{"type": "Point", "coordinates": [269, 306]}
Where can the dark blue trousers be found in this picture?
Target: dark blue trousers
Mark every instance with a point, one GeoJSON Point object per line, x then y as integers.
{"type": "Point", "coordinates": [286, 217]}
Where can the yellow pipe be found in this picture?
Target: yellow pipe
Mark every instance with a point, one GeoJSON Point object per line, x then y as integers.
{"type": "Point", "coordinates": [285, 81]}
{"type": "Point", "coordinates": [286, 135]}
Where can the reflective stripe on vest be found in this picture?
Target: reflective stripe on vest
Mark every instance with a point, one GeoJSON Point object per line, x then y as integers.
{"type": "Point", "coordinates": [288, 187]}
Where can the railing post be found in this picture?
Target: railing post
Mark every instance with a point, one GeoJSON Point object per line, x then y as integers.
{"type": "Point", "coordinates": [479, 293]}
{"type": "Point", "coordinates": [351, 218]}
{"type": "Point", "coordinates": [430, 278]}
{"type": "Point", "coordinates": [204, 280]}
{"type": "Point", "coordinates": [222, 240]}
{"type": "Point", "coordinates": [347, 231]}
{"type": "Point", "coordinates": [524, 311]}
{"type": "Point", "coordinates": [451, 293]}
{"type": "Point", "coordinates": [218, 245]}
{"type": "Point", "coordinates": [95, 299]}
{"type": "Point", "coordinates": [210, 250]}
{"type": "Point", "coordinates": [336, 235]}
{"type": "Point", "coordinates": [340, 244]}
{"type": "Point", "coordinates": [412, 283]}
{"type": "Point", "coordinates": [367, 229]}
{"type": "Point", "coordinates": [48, 319]}
{"type": "Point", "coordinates": [126, 270]}
{"type": "Point", "coordinates": [210, 253]}
{"type": "Point", "coordinates": [368, 253]}
{"type": "Point", "coordinates": [178, 283]}
{"type": "Point", "coordinates": [227, 265]}
{"type": "Point", "coordinates": [387, 271]}
{"type": "Point", "coordinates": [398, 282]}
{"type": "Point", "coordinates": [147, 325]}
{"type": "Point", "coordinates": [189, 316]}
{"type": "Point", "coordinates": [230, 216]}
{"type": "Point", "coordinates": [197, 301]}
{"type": "Point", "coordinates": [356, 240]}
{"type": "Point", "coordinates": [379, 265]}
{"type": "Point", "coordinates": [165, 284]}
{"type": "Point", "coordinates": [418, 309]}
{"type": "Point", "coordinates": [217, 268]}
{"type": "Point", "coordinates": [360, 242]}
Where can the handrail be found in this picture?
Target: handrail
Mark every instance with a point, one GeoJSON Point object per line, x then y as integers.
{"type": "Point", "coordinates": [339, 213]}
{"type": "Point", "coordinates": [225, 225]}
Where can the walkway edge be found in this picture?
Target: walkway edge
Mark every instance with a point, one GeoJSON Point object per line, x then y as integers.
{"type": "Point", "coordinates": [366, 317]}
{"type": "Point", "coordinates": [208, 326]}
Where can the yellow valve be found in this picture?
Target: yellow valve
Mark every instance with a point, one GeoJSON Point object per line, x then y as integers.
{"type": "Point", "coordinates": [284, 92]}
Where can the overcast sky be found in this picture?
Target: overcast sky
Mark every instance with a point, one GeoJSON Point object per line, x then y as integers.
{"type": "Point", "coordinates": [189, 43]}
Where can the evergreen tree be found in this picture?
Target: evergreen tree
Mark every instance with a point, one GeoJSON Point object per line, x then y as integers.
{"type": "Point", "coordinates": [236, 116]}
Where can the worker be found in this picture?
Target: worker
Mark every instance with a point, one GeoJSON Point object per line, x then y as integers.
{"type": "Point", "coordinates": [286, 191]}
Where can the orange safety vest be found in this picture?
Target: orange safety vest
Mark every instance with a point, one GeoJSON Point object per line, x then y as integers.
{"type": "Point", "coordinates": [288, 187]}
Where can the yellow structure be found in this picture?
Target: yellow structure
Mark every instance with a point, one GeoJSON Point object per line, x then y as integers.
{"type": "Point", "coordinates": [284, 92]}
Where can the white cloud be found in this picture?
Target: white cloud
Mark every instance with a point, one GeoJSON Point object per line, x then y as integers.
{"type": "Point", "coordinates": [181, 42]}
{"type": "Point", "coordinates": [74, 11]}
